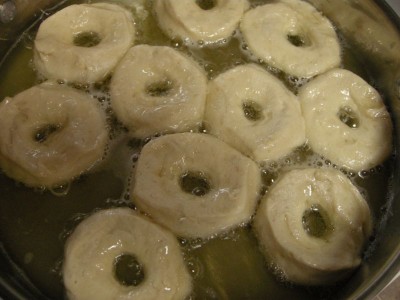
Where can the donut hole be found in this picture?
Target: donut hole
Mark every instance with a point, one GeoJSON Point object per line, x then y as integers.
{"type": "Point", "coordinates": [206, 4]}
{"type": "Point", "coordinates": [43, 133]}
{"type": "Point", "coordinates": [159, 88]}
{"type": "Point", "coordinates": [347, 115]}
{"type": "Point", "coordinates": [316, 222]}
{"type": "Point", "coordinates": [298, 40]}
{"type": "Point", "coordinates": [195, 183]}
{"type": "Point", "coordinates": [86, 39]}
{"type": "Point", "coordinates": [128, 270]}
{"type": "Point", "coordinates": [252, 110]}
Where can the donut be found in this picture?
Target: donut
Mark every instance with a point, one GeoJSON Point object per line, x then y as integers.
{"type": "Point", "coordinates": [372, 33]}
{"type": "Point", "coordinates": [346, 120]}
{"type": "Point", "coordinates": [312, 225]}
{"type": "Point", "coordinates": [83, 43]}
{"type": "Point", "coordinates": [255, 113]}
{"type": "Point", "coordinates": [195, 185]}
{"type": "Point", "coordinates": [50, 134]}
{"type": "Point", "coordinates": [156, 89]}
{"type": "Point", "coordinates": [100, 245]}
{"type": "Point", "coordinates": [205, 20]}
{"type": "Point", "coordinates": [293, 37]}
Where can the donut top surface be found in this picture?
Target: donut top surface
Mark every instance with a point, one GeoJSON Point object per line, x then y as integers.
{"type": "Point", "coordinates": [313, 224]}
{"type": "Point", "coordinates": [292, 36]}
{"type": "Point", "coordinates": [254, 112]}
{"type": "Point", "coordinates": [93, 249]}
{"type": "Point", "coordinates": [346, 120]}
{"type": "Point", "coordinates": [83, 42]}
{"type": "Point", "coordinates": [157, 90]}
{"type": "Point", "coordinates": [50, 134]}
{"type": "Point", "coordinates": [195, 184]}
{"type": "Point", "coordinates": [205, 21]}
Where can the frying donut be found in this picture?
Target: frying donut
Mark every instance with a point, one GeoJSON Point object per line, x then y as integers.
{"type": "Point", "coordinates": [255, 113]}
{"type": "Point", "coordinates": [195, 184]}
{"type": "Point", "coordinates": [190, 20]}
{"type": "Point", "coordinates": [83, 43]}
{"type": "Point", "coordinates": [346, 120]}
{"type": "Point", "coordinates": [92, 252]}
{"type": "Point", "coordinates": [313, 224]}
{"type": "Point", "coordinates": [50, 134]}
{"type": "Point", "coordinates": [293, 37]}
{"type": "Point", "coordinates": [156, 89]}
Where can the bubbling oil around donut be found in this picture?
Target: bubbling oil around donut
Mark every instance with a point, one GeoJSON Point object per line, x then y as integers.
{"type": "Point", "coordinates": [297, 40]}
{"type": "Point", "coordinates": [195, 183]}
{"type": "Point", "coordinates": [252, 110]}
{"type": "Point", "coordinates": [316, 221]}
{"type": "Point", "coordinates": [128, 270]}
{"type": "Point", "coordinates": [206, 4]}
{"type": "Point", "coordinates": [43, 133]}
{"type": "Point", "coordinates": [348, 117]}
{"type": "Point", "coordinates": [87, 39]}
{"type": "Point", "coordinates": [61, 189]}
{"type": "Point", "coordinates": [159, 88]}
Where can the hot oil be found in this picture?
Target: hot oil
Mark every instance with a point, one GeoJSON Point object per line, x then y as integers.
{"type": "Point", "coordinates": [17, 72]}
{"type": "Point", "coordinates": [34, 224]}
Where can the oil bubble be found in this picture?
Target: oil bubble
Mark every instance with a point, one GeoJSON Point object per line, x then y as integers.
{"type": "Point", "coordinates": [195, 267]}
{"type": "Point", "coordinates": [60, 190]}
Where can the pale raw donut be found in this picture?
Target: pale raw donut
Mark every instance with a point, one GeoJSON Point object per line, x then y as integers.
{"type": "Point", "coordinates": [313, 224]}
{"type": "Point", "coordinates": [91, 251]}
{"type": "Point", "coordinates": [57, 56]}
{"type": "Point", "coordinates": [156, 89]}
{"type": "Point", "coordinates": [346, 120]}
{"type": "Point", "coordinates": [267, 29]}
{"type": "Point", "coordinates": [255, 113]}
{"type": "Point", "coordinates": [225, 197]}
{"type": "Point", "coordinates": [50, 134]}
{"type": "Point", "coordinates": [187, 20]}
